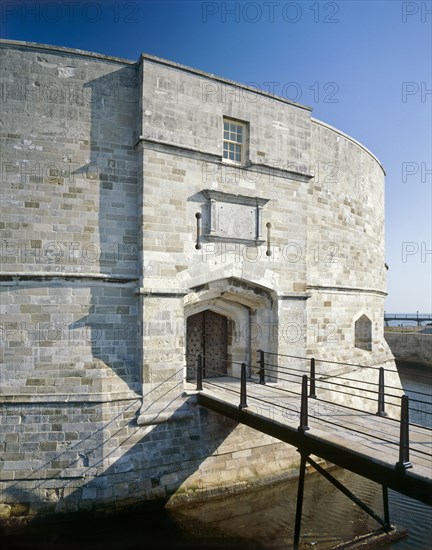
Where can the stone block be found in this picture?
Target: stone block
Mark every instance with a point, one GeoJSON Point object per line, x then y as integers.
{"type": "Point", "coordinates": [5, 510]}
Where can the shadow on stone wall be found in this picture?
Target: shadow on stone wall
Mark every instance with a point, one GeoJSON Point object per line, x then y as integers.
{"type": "Point", "coordinates": [120, 463]}
{"type": "Point", "coordinates": [112, 319]}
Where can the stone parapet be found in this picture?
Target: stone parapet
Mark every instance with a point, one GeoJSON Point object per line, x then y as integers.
{"type": "Point", "coordinates": [411, 347]}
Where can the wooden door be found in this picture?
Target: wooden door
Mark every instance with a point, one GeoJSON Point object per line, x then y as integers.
{"type": "Point", "coordinates": [206, 334]}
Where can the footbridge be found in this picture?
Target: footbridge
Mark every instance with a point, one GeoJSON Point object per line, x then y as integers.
{"type": "Point", "coordinates": [298, 409]}
{"type": "Point", "coordinates": [415, 317]}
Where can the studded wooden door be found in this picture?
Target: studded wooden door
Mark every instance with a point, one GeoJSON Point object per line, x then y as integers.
{"type": "Point", "coordinates": [206, 333]}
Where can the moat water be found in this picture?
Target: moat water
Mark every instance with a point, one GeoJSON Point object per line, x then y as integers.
{"type": "Point", "coordinates": [261, 519]}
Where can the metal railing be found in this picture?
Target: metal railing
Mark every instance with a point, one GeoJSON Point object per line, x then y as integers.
{"type": "Point", "coordinates": [415, 317]}
{"type": "Point", "coordinates": [309, 386]}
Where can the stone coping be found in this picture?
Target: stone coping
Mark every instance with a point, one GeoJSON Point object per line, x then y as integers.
{"type": "Point", "coordinates": [349, 138]}
{"type": "Point", "coordinates": [31, 276]}
{"type": "Point", "coordinates": [66, 50]}
{"type": "Point", "coordinates": [151, 58]}
{"type": "Point", "coordinates": [65, 399]}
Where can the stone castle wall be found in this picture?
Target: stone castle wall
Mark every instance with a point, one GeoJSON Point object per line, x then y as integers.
{"type": "Point", "coordinates": [346, 233]}
{"type": "Point", "coordinates": [69, 240]}
{"type": "Point", "coordinates": [74, 456]}
{"type": "Point", "coordinates": [411, 347]}
{"type": "Point", "coordinates": [105, 164]}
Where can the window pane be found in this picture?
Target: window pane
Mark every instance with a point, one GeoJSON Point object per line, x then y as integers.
{"type": "Point", "coordinates": [233, 139]}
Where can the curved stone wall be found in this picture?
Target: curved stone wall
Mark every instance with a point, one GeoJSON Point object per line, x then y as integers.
{"type": "Point", "coordinates": [346, 232]}
{"type": "Point", "coordinates": [346, 210]}
{"type": "Point", "coordinates": [105, 165]}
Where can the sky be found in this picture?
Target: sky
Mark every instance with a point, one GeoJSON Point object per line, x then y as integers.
{"type": "Point", "coordinates": [363, 66]}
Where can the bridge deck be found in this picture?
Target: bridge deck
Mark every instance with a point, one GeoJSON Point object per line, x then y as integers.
{"type": "Point", "coordinates": [360, 442]}
{"type": "Point", "coordinates": [422, 318]}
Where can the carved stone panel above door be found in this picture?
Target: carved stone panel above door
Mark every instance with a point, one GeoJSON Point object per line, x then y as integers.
{"type": "Point", "coordinates": [233, 218]}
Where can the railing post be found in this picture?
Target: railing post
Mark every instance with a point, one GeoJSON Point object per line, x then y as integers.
{"type": "Point", "coordinates": [386, 507]}
{"type": "Point", "coordinates": [262, 367]}
{"type": "Point", "coordinates": [199, 386]}
{"type": "Point", "coordinates": [312, 392]}
{"type": "Point", "coordinates": [404, 462]}
{"type": "Point", "coordinates": [381, 403]}
{"type": "Point", "coordinates": [299, 507]}
{"type": "Point", "coordinates": [243, 398]}
{"type": "Point", "coordinates": [304, 406]}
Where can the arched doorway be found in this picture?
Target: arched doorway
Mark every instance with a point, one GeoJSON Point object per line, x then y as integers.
{"type": "Point", "coordinates": [206, 334]}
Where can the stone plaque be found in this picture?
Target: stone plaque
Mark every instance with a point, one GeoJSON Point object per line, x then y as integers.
{"type": "Point", "coordinates": [235, 218]}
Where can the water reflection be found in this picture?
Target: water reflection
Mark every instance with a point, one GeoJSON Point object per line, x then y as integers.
{"type": "Point", "coordinates": [265, 516]}
{"type": "Point", "coordinates": [417, 384]}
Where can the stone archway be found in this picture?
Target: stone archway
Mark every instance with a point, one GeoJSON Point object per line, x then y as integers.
{"type": "Point", "coordinates": [248, 312]}
{"type": "Point", "coordinates": [206, 334]}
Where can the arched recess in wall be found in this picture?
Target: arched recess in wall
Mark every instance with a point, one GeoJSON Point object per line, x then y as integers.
{"type": "Point", "coordinates": [247, 311]}
{"type": "Point", "coordinates": [363, 333]}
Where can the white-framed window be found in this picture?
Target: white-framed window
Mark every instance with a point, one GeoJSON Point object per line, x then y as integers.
{"type": "Point", "coordinates": [234, 141]}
